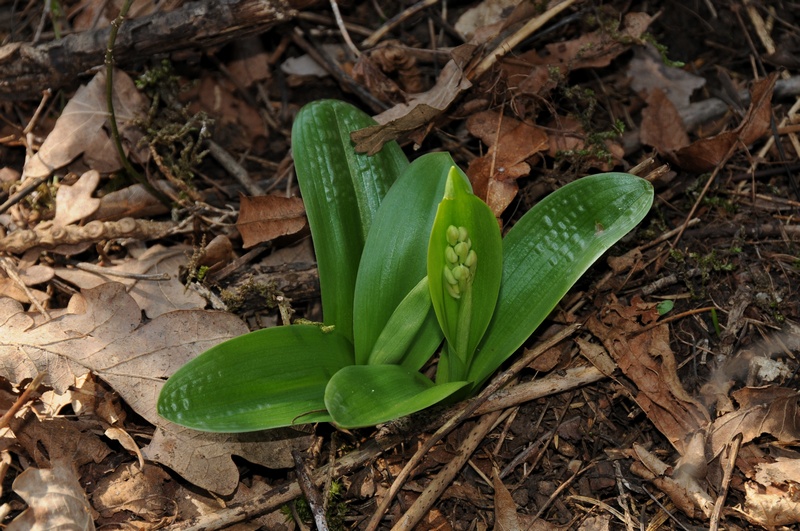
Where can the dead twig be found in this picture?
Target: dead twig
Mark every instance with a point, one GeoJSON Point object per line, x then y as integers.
{"type": "Point", "coordinates": [310, 491]}
{"type": "Point", "coordinates": [446, 475]}
{"type": "Point", "coordinates": [11, 271]}
{"type": "Point", "coordinates": [466, 411]}
{"type": "Point", "coordinates": [22, 399]}
{"type": "Point", "coordinates": [381, 32]}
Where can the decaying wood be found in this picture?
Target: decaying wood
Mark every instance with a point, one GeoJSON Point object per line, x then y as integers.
{"type": "Point", "coordinates": [26, 70]}
{"type": "Point", "coordinates": [258, 287]}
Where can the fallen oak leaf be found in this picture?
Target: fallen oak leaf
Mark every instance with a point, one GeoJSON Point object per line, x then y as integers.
{"type": "Point", "coordinates": [81, 123]}
{"type": "Point", "coordinates": [762, 410]}
{"type": "Point", "coordinates": [74, 203]}
{"type": "Point", "coordinates": [266, 217]}
{"type": "Point", "coordinates": [102, 332]}
{"type": "Point", "coordinates": [420, 110]}
{"type": "Point", "coordinates": [55, 499]}
{"type": "Point", "coordinates": [707, 153]}
{"type": "Point", "coordinates": [155, 296]}
{"type": "Point", "coordinates": [511, 142]}
{"type": "Point", "coordinates": [645, 357]}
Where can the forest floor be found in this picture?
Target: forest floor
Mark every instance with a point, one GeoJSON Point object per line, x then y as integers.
{"type": "Point", "coordinates": [669, 397]}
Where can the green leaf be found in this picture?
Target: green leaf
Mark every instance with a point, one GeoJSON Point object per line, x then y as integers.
{"type": "Point", "coordinates": [549, 249]}
{"type": "Point", "coordinates": [342, 191]}
{"type": "Point", "coordinates": [366, 395]}
{"type": "Point", "coordinates": [464, 271]}
{"type": "Point", "coordinates": [394, 259]}
{"type": "Point", "coordinates": [266, 379]}
{"type": "Point", "coordinates": [403, 326]}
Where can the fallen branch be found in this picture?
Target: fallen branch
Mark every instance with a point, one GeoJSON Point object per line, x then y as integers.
{"type": "Point", "coordinates": [25, 69]}
{"type": "Point", "coordinates": [48, 236]}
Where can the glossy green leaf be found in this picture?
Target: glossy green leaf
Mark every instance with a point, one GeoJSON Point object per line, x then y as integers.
{"type": "Point", "coordinates": [395, 255]}
{"type": "Point", "coordinates": [464, 271]}
{"type": "Point", "coordinates": [366, 395]}
{"type": "Point", "coordinates": [403, 326]}
{"type": "Point", "coordinates": [266, 379]}
{"type": "Point", "coordinates": [549, 249]}
{"type": "Point", "coordinates": [342, 191]}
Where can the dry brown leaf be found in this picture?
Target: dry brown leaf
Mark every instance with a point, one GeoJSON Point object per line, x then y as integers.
{"type": "Point", "coordinates": [591, 50]}
{"type": "Point", "coordinates": [485, 13]}
{"type": "Point", "coordinates": [706, 153]}
{"type": "Point", "coordinates": [511, 143]}
{"type": "Point", "coordinates": [568, 135]}
{"type": "Point", "coordinates": [155, 297]}
{"type": "Point", "coordinates": [55, 500]}
{"type": "Point", "coordinates": [102, 332]}
{"type": "Point", "coordinates": [419, 111]}
{"type": "Point", "coordinates": [131, 202]}
{"type": "Point", "coordinates": [646, 358]}
{"type": "Point", "coordinates": [505, 508]}
{"type": "Point", "coordinates": [762, 410]}
{"type": "Point", "coordinates": [74, 203]}
{"type": "Point", "coordinates": [600, 522]}
{"type": "Point", "coordinates": [250, 62]}
{"type": "Point", "coordinates": [140, 491]}
{"type": "Point", "coordinates": [81, 124]}
{"type": "Point", "coordinates": [366, 73]}
{"type": "Point", "coordinates": [683, 489]}
{"type": "Point", "coordinates": [599, 48]}
{"type": "Point", "coordinates": [770, 508]}
{"type": "Point", "coordinates": [783, 472]}
{"type": "Point", "coordinates": [61, 440]}
{"type": "Point", "coordinates": [662, 127]}
{"type": "Point", "coordinates": [647, 71]}
{"type": "Point", "coordinates": [266, 217]}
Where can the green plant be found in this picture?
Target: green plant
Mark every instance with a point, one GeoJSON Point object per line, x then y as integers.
{"type": "Point", "coordinates": [408, 257]}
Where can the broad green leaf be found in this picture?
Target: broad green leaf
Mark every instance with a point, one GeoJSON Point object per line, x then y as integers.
{"type": "Point", "coordinates": [464, 270]}
{"type": "Point", "coordinates": [394, 259]}
{"type": "Point", "coordinates": [403, 326]}
{"type": "Point", "coordinates": [366, 395]}
{"type": "Point", "coordinates": [549, 249]}
{"type": "Point", "coordinates": [266, 379]}
{"type": "Point", "coordinates": [342, 191]}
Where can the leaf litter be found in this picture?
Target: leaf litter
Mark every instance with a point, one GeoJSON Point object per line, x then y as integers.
{"type": "Point", "coordinates": [671, 405]}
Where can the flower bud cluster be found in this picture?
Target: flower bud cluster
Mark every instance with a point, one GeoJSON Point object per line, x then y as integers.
{"type": "Point", "coordinates": [460, 261]}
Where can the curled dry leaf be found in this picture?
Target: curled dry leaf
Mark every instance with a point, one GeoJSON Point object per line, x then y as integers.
{"type": "Point", "coordinates": [646, 358]}
{"type": "Point", "coordinates": [102, 332]}
{"type": "Point", "coordinates": [762, 410]}
{"type": "Point", "coordinates": [264, 218]}
{"type": "Point", "coordinates": [662, 127]}
{"type": "Point", "coordinates": [505, 509]}
{"type": "Point", "coordinates": [647, 71]}
{"type": "Point", "coordinates": [55, 500]}
{"type": "Point", "coordinates": [511, 142]}
{"type": "Point", "coordinates": [770, 508]}
{"type": "Point", "coordinates": [74, 203]}
{"type": "Point", "coordinates": [155, 297]}
{"type": "Point", "coordinates": [532, 71]}
{"type": "Point", "coordinates": [706, 153]}
{"type": "Point", "coordinates": [81, 125]}
{"type": "Point", "coordinates": [419, 111]}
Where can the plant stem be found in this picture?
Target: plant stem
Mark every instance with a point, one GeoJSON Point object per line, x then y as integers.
{"type": "Point", "coordinates": [109, 62]}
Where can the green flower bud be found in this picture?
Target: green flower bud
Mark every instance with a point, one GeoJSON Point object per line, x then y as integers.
{"type": "Point", "coordinates": [452, 234]}
{"type": "Point", "coordinates": [453, 291]}
{"type": "Point", "coordinates": [451, 255]}
{"type": "Point", "coordinates": [461, 249]}
{"type": "Point", "coordinates": [463, 234]}
{"type": "Point", "coordinates": [460, 273]}
{"type": "Point", "coordinates": [471, 260]}
{"type": "Point", "coordinates": [449, 276]}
